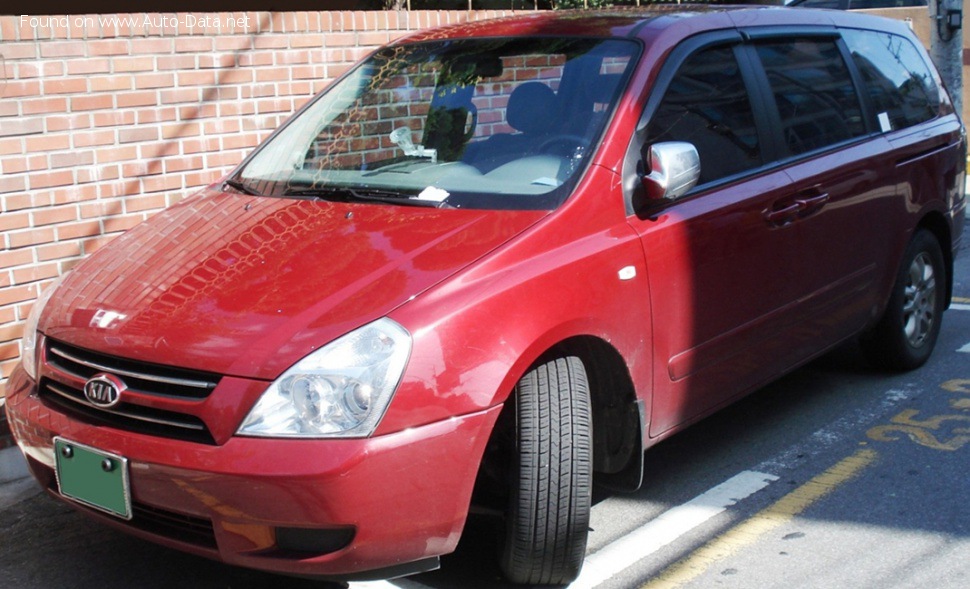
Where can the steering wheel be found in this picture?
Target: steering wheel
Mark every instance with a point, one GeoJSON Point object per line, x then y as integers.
{"type": "Point", "coordinates": [567, 141]}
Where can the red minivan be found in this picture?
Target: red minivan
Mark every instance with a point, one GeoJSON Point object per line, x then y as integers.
{"type": "Point", "coordinates": [489, 267]}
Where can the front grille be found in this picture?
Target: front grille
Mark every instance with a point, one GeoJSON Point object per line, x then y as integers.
{"type": "Point", "coordinates": [126, 416]}
{"type": "Point", "coordinates": [146, 378]}
{"type": "Point", "coordinates": [70, 367]}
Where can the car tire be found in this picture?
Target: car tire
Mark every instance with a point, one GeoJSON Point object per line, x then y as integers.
{"type": "Point", "coordinates": [547, 519]}
{"type": "Point", "coordinates": [905, 336]}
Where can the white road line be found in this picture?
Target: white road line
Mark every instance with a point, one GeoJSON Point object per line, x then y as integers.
{"type": "Point", "coordinates": [670, 525]}
{"type": "Point", "coordinates": [391, 584]}
{"type": "Point", "coordinates": [960, 306]}
{"type": "Point", "coordinates": [965, 349]}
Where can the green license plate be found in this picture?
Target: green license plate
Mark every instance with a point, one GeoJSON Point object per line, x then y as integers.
{"type": "Point", "coordinates": [92, 477]}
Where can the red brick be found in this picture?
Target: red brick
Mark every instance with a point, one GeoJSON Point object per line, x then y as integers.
{"type": "Point", "coordinates": [180, 95]}
{"type": "Point", "coordinates": [13, 51]}
{"type": "Point", "coordinates": [137, 134]}
{"type": "Point", "coordinates": [48, 179]}
{"type": "Point", "coordinates": [72, 159]}
{"type": "Point", "coordinates": [48, 143]}
{"type": "Point", "coordinates": [114, 118]}
{"type": "Point", "coordinates": [13, 145]}
{"type": "Point", "coordinates": [43, 105]}
{"type": "Point", "coordinates": [78, 230]}
{"type": "Point", "coordinates": [92, 138]}
{"type": "Point", "coordinates": [95, 102]}
{"type": "Point", "coordinates": [21, 257]}
{"type": "Point", "coordinates": [133, 64]}
{"type": "Point", "coordinates": [197, 78]}
{"type": "Point", "coordinates": [10, 221]}
{"type": "Point", "coordinates": [184, 129]}
{"type": "Point", "coordinates": [193, 44]}
{"type": "Point", "coordinates": [14, 165]}
{"type": "Point", "coordinates": [176, 62]}
{"type": "Point", "coordinates": [57, 251]}
{"type": "Point", "coordinates": [152, 45]}
{"type": "Point", "coordinates": [108, 47]}
{"type": "Point", "coordinates": [143, 98]}
{"type": "Point", "coordinates": [10, 351]}
{"type": "Point", "coordinates": [152, 201]}
{"type": "Point", "coordinates": [35, 273]}
{"type": "Point", "coordinates": [17, 239]}
{"type": "Point", "coordinates": [61, 49]}
{"type": "Point", "coordinates": [156, 115]}
{"type": "Point", "coordinates": [14, 89]}
{"type": "Point", "coordinates": [88, 66]}
{"type": "Point", "coordinates": [113, 224]}
{"type": "Point", "coordinates": [116, 154]}
{"type": "Point", "coordinates": [65, 86]}
{"type": "Point", "coordinates": [12, 184]}
{"type": "Point", "coordinates": [111, 83]}
{"type": "Point", "coordinates": [182, 164]}
{"type": "Point", "coordinates": [154, 81]}
{"type": "Point", "coordinates": [67, 122]}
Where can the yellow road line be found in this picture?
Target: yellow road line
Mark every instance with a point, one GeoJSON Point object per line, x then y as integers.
{"type": "Point", "coordinates": [748, 531]}
{"type": "Point", "coordinates": [961, 300]}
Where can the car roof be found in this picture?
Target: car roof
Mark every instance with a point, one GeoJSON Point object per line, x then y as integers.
{"type": "Point", "coordinates": [649, 23]}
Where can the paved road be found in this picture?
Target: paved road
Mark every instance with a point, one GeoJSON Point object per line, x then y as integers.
{"type": "Point", "coordinates": [836, 476]}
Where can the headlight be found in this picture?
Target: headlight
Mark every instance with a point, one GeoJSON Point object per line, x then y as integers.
{"type": "Point", "coordinates": [340, 390]}
{"type": "Point", "coordinates": [28, 350]}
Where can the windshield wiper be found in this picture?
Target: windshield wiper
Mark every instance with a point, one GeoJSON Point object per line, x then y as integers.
{"type": "Point", "coordinates": [241, 187]}
{"type": "Point", "coordinates": [364, 194]}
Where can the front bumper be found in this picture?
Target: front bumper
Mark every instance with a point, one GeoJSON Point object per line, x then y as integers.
{"type": "Point", "coordinates": [333, 508]}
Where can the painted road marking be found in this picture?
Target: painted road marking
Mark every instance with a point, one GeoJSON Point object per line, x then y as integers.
{"type": "Point", "coordinates": [620, 554]}
{"type": "Point", "coordinates": [393, 584]}
{"type": "Point", "coordinates": [961, 300]}
{"type": "Point", "coordinates": [749, 531]}
{"type": "Point", "coordinates": [960, 306]}
{"type": "Point", "coordinates": [965, 349]}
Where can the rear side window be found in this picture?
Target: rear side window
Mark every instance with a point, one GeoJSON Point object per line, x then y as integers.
{"type": "Point", "coordinates": [898, 82]}
{"type": "Point", "coordinates": [813, 90]}
{"type": "Point", "coordinates": [707, 105]}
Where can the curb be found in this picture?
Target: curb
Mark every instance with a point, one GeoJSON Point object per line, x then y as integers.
{"type": "Point", "coordinates": [13, 467]}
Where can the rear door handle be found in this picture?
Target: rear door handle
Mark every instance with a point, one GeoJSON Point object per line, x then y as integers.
{"type": "Point", "coordinates": [811, 204]}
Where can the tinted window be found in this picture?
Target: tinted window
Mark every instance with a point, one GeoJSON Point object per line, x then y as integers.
{"type": "Point", "coordinates": [707, 105]}
{"type": "Point", "coordinates": [898, 82]}
{"type": "Point", "coordinates": [814, 93]}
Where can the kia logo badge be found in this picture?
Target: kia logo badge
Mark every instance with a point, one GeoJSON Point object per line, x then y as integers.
{"type": "Point", "coordinates": [104, 390]}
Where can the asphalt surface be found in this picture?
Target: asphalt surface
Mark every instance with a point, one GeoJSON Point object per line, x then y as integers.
{"type": "Point", "coordinates": [865, 485]}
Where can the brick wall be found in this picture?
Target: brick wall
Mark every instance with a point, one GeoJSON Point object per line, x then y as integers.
{"type": "Point", "coordinates": [105, 120]}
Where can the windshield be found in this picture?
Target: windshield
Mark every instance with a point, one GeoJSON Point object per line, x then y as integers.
{"type": "Point", "coordinates": [477, 123]}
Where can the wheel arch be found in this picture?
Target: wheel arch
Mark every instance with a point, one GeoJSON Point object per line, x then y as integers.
{"type": "Point", "coordinates": [935, 222]}
{"type": "Point", "coordinates": [618, 418]}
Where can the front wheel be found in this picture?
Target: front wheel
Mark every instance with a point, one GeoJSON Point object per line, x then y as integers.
{"type": "Point", "coordinates": [905, 336]}
{"type": "Point", "coordinates": [547, 519]}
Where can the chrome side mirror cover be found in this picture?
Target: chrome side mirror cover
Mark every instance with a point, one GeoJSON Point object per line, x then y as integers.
{"type": "Point", "coordinates": [674, 168]}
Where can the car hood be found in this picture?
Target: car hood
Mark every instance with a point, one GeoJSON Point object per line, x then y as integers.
{"type": "Point", "coordinates": [247, 286]}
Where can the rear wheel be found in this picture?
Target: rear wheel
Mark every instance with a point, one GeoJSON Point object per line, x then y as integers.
{"type": "Point", "coordinates": [547, 519]}
{"type": "Point", "coordinates": [906, 335]}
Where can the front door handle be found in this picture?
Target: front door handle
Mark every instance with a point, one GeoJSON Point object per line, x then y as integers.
{"type": "Point", "coordinates": [783, 215]}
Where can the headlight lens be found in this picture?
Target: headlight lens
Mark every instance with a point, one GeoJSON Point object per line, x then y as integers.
{"type": "Point", "coordinates": [340, 390]}
{"type": "Point", "coordinates": [28, 353]}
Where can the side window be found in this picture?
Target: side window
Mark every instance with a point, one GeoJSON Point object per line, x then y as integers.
{"type": "Point", "coordinates": [898, 82]}
{"type": "Point", "coordinates": [813, 91]}
{"type": "Point", "coordinates": [707, 105]}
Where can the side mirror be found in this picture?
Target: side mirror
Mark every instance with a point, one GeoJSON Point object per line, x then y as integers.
{"type": "Point", "coordinates": [674, 168]}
